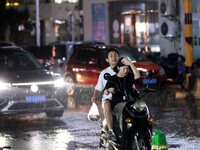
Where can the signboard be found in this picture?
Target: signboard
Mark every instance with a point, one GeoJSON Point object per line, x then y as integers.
{"type": "Point", "coordinates": [98, 22]}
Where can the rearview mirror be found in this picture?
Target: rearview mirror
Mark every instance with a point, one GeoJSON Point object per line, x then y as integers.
{"type": "Point", "coordinates": [46, 65]}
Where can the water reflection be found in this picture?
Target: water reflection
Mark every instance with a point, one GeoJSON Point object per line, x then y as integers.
{"type": "Point", "coordinates": [57, 140]}
{"type": "Point", "coordinates": [36, 140]}
{"type": "Point", "coordinates": [33, 132]}
{"type": "Point", "coordinates": [71, 103]}
{"type": "Point", "coordinates": [28, 123]}
{"type": "Point", "coordinates": [178, 117]}
{"type": "Point", "coordinates": [3, 141]}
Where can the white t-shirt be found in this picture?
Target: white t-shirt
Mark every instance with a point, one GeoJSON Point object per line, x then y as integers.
{"type": "Point", "coordinates": [101, 83]}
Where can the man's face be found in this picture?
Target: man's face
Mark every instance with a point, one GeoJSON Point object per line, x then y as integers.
{"type": "Point", "coordinates": [113, 58]}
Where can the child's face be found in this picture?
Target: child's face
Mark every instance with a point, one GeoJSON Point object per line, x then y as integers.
{"type": "Point", "coordinates": [123, 70]}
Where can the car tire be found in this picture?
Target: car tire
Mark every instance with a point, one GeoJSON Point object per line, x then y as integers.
{"type": "Point", "coordinates": [58, 113]}
{"type": "Point", "coordinates": [70, 88]}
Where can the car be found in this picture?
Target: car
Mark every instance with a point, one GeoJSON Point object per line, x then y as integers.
{"type": "Point", "coordinates": [143, 65]}
{"type": "Point", "coordinates": [28, 87]}
{"type": "Point", "coordinates": [6, 43]}
{"type": "Point", "coordinates": [81, 61]}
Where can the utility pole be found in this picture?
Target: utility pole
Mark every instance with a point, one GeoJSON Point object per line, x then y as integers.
{"type": "Point", "coordinates": [72, 25]}
{"type": "Point", "coordinates": [188, 39]}
{"type": "Point", "coordinates": [37, 7]}
{"type": "Point", "coordinates": [146, 29]}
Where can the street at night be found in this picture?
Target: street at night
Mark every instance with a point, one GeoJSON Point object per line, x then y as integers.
{"type": "Point", "coordinates": [57, 57]}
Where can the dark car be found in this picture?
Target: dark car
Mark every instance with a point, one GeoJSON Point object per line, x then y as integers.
{"type": "Point", "coordinates": [143, 65]}
{"type": "Point", "coordinates": [81, 62]}
{"type": "Point", "coordinates": [6, 43]}
{"type": "Point", "coordinates": [27, 87]}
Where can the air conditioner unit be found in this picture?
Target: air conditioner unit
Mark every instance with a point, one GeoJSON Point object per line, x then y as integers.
{"type": "Point", "coordinates": [168, 29]}
{"type": "Point", "coordinates": [167, 7]}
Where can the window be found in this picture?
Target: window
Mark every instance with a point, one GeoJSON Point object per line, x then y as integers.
{"type": "Point", "coordinates": [86, 54]}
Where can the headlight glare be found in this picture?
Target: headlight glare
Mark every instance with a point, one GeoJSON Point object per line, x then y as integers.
{"type": "Point", "coordinates": [4, 86]}
{"type": "Point", "coordinates": [34, 88]}
{"type": "Point", "coordinates": [59, 82]}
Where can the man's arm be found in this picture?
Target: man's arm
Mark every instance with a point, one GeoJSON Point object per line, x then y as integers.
{"type": "Point", "coordinates": [95, 95]}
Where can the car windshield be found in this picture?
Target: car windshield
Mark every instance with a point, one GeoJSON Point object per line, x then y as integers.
{"type": "Point", "coordinates": [132, 53]}
{"type": "Point", "coordinates": [18, 61]}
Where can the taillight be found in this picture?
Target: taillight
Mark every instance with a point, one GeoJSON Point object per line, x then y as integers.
{"type": "Point", "coordinates": [53, 51]}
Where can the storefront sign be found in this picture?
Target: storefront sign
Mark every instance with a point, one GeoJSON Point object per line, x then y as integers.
{"type": "Point", "coordinates": [98, 22]}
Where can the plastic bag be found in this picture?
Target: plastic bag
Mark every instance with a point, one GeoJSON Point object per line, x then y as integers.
{"type": "Point", "coordinates": [93, 114]}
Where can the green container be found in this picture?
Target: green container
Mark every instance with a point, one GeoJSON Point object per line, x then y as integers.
{"type": "Point", "coordinates": [159, 139]}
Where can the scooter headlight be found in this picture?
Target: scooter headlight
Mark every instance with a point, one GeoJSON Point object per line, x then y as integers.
{"type": "Point", "coordinates": [139, 106]}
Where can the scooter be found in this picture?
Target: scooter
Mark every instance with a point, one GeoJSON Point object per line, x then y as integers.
{"type": "Point", "coordinates": [136, 130]}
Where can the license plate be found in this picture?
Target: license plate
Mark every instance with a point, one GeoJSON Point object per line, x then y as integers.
{"type": "Point", "coordinates": [149, 81]}
{"type": "Point", "coordinates": [35, 98]}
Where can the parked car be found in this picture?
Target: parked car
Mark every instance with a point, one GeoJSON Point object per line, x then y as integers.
{"type": "Point", "coordinates": [27, 87]}
{"type": "Point", "coordinates": [143, 64]}
{"type": "Point", "coordinates": [81, 61]}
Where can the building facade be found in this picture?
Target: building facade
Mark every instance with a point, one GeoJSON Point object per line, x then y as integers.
{"type": "Point", "coordinates": [157, 24]}
{"type": "Point", "coordinates": [132, 22]}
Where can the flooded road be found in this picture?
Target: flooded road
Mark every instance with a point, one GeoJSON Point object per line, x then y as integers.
{"type": "Point", "coordinates": [33, 132]}
{"type": "Point", "coordinates": [178, 119]}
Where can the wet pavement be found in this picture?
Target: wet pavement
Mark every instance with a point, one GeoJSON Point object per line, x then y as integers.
{"type": "Point", "coordinates": [178, 118]}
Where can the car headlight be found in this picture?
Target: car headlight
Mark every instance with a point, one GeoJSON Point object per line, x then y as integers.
{"type": "Point", "coordinates": [139, 106]}
{"type": "Point", "coordinates": [4, 86]}
{"type": "Point", "coordinates": [34, 88]}
{"type": "Point", "coordinates": [60, 82]}
{"type": "Point", "coordinates": [161, 71]}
